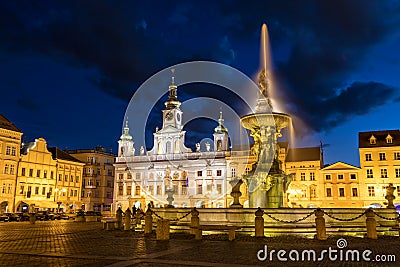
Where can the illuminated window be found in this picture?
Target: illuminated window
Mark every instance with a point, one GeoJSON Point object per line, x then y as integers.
{"type": "Point", "coordinates": [327, 177]}
{"type": "Point", "coordinates": [8, 150]}
{"type": "Point", "coordinates": [233, 172]}
{"type": "Point", "coordinates": [138, 175]}
{"type": "Point", "coordinates": [12, 169]}
{"type": "Point", "coordinates": [372, 140]}
{"type": "Point", "coordinates": [120, 190]}
{"type": "Point", "coordinates": [302, 176]}
{"type": "Point", "coordinates": [389, 139]}
{"type": "Point", "coordinates": [329, 192]}
{"type": "Point", "coordinates": [6, 169]}
{"type": "Point", "coordinates": [209, 172]}
{"type": "Point", "coordinates": [199, 173]}
{"type": "Point", "coordinates": [21, 189]}
{"type": "Point", "coordinates": [137, 190]}
{"type": "Point", "coordinates": [303, 193]}
{"type": "Point", "coordinates": [370, 173]}
{"type": "Point", "coordinates": [354, 192]}
{"type": "Point", "coordinates": [312, 176]}
{"type": "Point", "coordinates": [129, 190]}
{"type": "Point", "coordinates": [313, 193]}
{"type": "Point", "coordinates": [371, 191]}
{"type": "Point", "coordinates": [382, 156]}
{"type": "Point", "coordinates": [13, 151]}
{"type": "Point", "coordinates": [384, 173]}
{"type": "Point", "coordinates": [247, 170]}
{"type": "Point", "coordinates": [397, 171]}
{"type": "Point", "coordinates": [340, 176]}
{"type": "Point", "coordinates": [9, 188]}
{"type": "Point", "coordinates": [159, 190]}
{"type": "Point", "coordinates": [368, 157]}
{"type": "Point", "coordinates": [219, 172]}
{"type": "Point", "coordinates": [121, 176]}
{"type": "Point", "coordinates": [396, 155]}
{"type": "Point", "coordinates": [353, 176]}
{"type": "Point", "coordinates": [341, 192]}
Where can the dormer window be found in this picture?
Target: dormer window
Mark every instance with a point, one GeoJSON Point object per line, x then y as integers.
{"type": "Point", "coordinates": [389, 139]}
{"type": "Point", "coordinates": [372, 140]}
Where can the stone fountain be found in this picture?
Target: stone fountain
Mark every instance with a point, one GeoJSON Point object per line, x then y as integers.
{"type": "Point", "coordinates": [266, 182]}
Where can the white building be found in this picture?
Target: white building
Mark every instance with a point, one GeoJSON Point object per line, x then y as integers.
{"type": "Point", "coordinates": [197, 178]}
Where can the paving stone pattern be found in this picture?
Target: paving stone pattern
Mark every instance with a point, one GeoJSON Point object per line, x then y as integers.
{"type": "Point", "coordinates": [68, 243]}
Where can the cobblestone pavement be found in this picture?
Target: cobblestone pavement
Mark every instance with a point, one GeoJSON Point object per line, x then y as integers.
{"type": "Point", "coordinates": [68, 243]}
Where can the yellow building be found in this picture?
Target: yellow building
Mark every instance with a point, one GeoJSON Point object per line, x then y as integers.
{"type": "Point", "coordinates": [380, 165]}
{"type": "Point", "coordinates": [97, 180]}
{"type": "Point", "coordinates": [68, 180]}
{"type": "Point", "coordinates": [36, 177]}
{"type": "Point", "coordinates": [10, 143]}
{"type": "Point", "coordinates": [306, 187]}
{"type": "Point", "coordinates": [341, 186]}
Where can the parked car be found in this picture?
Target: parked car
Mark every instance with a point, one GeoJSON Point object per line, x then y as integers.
{"type": "Point", "coordinates": [3, 218]}
{"type": "Point", "coordinates": [22, 216]}
{"type": "Point", "coordinates": [62, 216]}
{"type": "Point", "coordinates": [42, 216]}
{"type": "Point", "coordinates": [13, 217]}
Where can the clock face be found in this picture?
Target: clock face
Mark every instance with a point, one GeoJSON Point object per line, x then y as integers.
{"type": "Point", "coordinates": [169, 116]}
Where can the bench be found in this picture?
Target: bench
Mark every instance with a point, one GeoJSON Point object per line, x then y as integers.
{"type": "Point", "coordinates": [230, 228]}
{"type": "Point", "coordinates": [109, 223]}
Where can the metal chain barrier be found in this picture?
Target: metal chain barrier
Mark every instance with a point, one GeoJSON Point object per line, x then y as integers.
{"type": "Point", "coordinates": [386, 218]}
{"type": "Point", "coordinates": [294, 221]}
{"type": "Point", "coordinates": [174, 220]}
{"type": "Point", "coordinates": [345, 220]}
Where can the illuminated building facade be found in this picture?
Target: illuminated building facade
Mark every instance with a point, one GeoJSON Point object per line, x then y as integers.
{"type": "Point", "coordinates": [97, 180]}
{"type": "Point", "coordinates": [380, 165]}
{"type": "Point", "coordinates": [10, 143]}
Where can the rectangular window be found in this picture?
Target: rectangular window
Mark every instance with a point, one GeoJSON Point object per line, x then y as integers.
{"type": "Point", "coordinates": [371, 191]}
{"type": "Point", "coordinates": [45, 174]}
{"type": "Point", "coordinates": [8, 150]}
{"type": "Point", "coordinates": [302, 176]}
{"type": "Point", "coordinates": [109, 172]}
{"type": "Point", "coordinates": [233, 172]}
{"type": "Point", "coordinates": [341, 192]}
{"type": "Point", "coordinates": [60, 177]}
{"type": "Point", "coordinates": [137, 190]}
{"type": "Point", "coordinates": [382, 156]}
{"type": "Point", "coordinates": [6, 169]}
{"type": "Point", "coordinates": [43, 191]}
{"type": "Point", "coordinates": [184, 189]}
{"type": "Point", "coordinates": [50, 191]}
{"type": "Point", "coordinates": [129, 190]}
{"type": "Point", "coordinates": [66, 178]}
{"type": "Point", "coordinates": [72, 178]}
{"type": "Point", "coordinates": [151, 189]}
{"type": "Point", "coordinates": [370, 173]}
{"type": "Point", "coordinates": [327, 177]}
{"type": "Point", "coordinates": [199, 173]}
{"type": "Point", "coordinates": [354, 192]}
{"type": "Point", "coordinates": [12, 169]}
{"type": "Point", "coordinates": [353, 176]}
{"type": "Point", "coordinates": [303, 193]}
{"type": "Point", "coordinates": [3, 189]}
{"type": "Point", "coordinates": [329, 192]}
{"type": "Point", "coordinates": [75, 193]}
{"type": "Point", "coordinates": [199, 189]}
{"type": "Point", "coordinates": [396, 155]}
{"type": "Point", "coordinates": [13, 151]}
{"type": "Point", "coordinates": [340, 176]}
{"type": "Point", "coordinates": [397, 172]}
{"type": "Point", "coordinates": [21, 189]}
{"type": "Point", "coordinates": [219, 188]}
{"type": "Point", "coordinates": [159, 190]}
{"type": "Point", "coordinates": [120, 190]}
{"type": "Point", "coordinates": [30, 172]}
{"type": "Point", "coordinates": [175, 188]}
{"type": "Point", "coordinates": [28, 194]}
{"type": "Point", "coordinates": [368, 157]}
{"type": "Point", "coordinates": [313, 193]}
{"type": "Point", "coordinates": [138, 176]}
{"type": "Point", "coordinates": [9, 189]}
{"type": "Point", "coordinates": [77, 179]}
{"type": "Point", "coordinates": [23, 172]}
{"type": "Point", "coordinates": [109, 195]}
{"type": "Point", "coordinates": [384, 173]}
{"type": "Point", "coordinates": [129, 176]}
{"type": "Point", "coordinates": [219, 172]}
{"type": "Point", "coordinates": [37, 190]}
{"type": "Point", "coordinates": [312, 176]}
{"type": "Point", "coordinates": [247, 170]}
{"type": "Point", "coordinates": [398, 191]}
{"type": "Point", "coordinates": [51, 175]}
{"type": "Point", "coordinates": [209, 187]}
{"type": "Point", "coordinates": [209, 172]}
{"type": "Point", "coordinates": [83, 193]}
{"type": "Point", "coordinates": [38, 173]}
{"type": "Point", "coordinates": [121, 176]}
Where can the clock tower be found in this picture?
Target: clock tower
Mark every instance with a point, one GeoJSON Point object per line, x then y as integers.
{"type": "Point", "coordinates": [170, 139]}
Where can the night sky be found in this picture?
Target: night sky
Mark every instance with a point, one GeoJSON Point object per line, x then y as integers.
{"type": "Point", "coordinates": [69, 68]}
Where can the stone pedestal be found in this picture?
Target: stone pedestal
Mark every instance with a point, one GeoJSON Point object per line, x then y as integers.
{"type": "Point", "coordinates": [32, 218]}
{"type": "Point", "coordinates": [371, 224]}
{"type": "Point", "coordinates": [320, 225]}
{"type": "Point", "coordinates": [127, 220]}
{"type": "Point", "coordinates": [259, 223]}
{"type": "Point", "coordinates": [119, 218]}
{"type": "Point", "coordinates": [162, 230]}
{"type": "Point", "coordinates": [194, 221]}
{"type": "Point", "coordinates": [148, 222]}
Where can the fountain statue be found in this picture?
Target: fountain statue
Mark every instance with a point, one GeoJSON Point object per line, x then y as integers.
{"type": "Point", "coordinates": [266, 182]}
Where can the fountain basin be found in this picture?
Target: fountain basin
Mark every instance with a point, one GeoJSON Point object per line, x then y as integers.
{"type": "Point", "coordinates": [253, 121]}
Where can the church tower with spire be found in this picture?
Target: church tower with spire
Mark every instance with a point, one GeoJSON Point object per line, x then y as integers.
{"type": "Point", "coordinates": [170, 139]}
{"type": "Point", "coordinates": [220, 135]}
{"type": "Point", "coordinates": [125, 143]}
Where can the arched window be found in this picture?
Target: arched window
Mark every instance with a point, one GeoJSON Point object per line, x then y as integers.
{"type": "Point", "coordinates": [168, 147]}
{"type": "Point", "coordinates": [159, 147]}
{"type": "Point", "coordinates": [176, 147]}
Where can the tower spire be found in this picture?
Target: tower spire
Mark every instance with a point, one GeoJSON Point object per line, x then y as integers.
{"type": "Point", "coordinates": [220, 128]}
{"type": "Point", "coordinates": [172, 101]}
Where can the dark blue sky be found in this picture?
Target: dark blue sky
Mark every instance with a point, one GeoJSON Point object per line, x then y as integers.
{"type": "Point", "coordinates": [69, 68]}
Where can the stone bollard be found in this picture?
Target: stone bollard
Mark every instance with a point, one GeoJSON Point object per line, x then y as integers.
{"type": "Point", "coordinates": [259, 223]}
{"type": "Point", "coordinates": [127, 219]}
{"type": "Point", "coordinates": [371, 224]}
{"type": "Point", "coordinates": [162, 230]}
{"type": "Point", "coordinates": [119, 218]}
{"type": "Point", "coordinates": [148, 222]}
{"type": "Point", "coordinates": [32, 218]}
{"type": "Point", "coordinates": [194, 221]}
{"type": "Point", "coordinates": [320, 224]}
